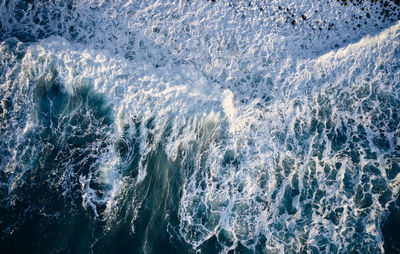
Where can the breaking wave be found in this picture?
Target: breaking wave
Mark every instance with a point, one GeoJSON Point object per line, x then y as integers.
{"type": "Point", "coordinates": [208, 126]}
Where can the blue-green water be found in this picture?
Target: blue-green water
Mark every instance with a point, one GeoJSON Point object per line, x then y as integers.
{"type": "Point", "coordinates": [199, 127]}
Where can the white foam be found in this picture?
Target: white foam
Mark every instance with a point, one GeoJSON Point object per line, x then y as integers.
{"type": "Point", "coordinates": [238, 86]}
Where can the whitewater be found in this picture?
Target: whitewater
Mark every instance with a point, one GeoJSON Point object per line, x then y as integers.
{"type": "Point", "coordinates": [199, 126]}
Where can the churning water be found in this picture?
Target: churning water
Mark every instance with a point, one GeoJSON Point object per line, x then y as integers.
{"type": "Point", "coordinates": [199, 126]}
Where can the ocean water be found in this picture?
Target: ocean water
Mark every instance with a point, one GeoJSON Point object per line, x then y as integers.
{"type": "Point", "coordinates": [199, 126]}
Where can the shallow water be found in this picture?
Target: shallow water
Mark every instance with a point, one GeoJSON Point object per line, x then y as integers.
{"type": "Point", "coordinates": [199, 127]}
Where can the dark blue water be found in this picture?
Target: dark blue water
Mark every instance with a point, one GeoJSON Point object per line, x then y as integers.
{"type": "Point", "coordinates": [210, 127]}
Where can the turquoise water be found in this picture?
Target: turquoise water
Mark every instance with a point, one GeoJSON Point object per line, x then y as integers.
{"type": "Point", "coordinates": [199, 127]}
